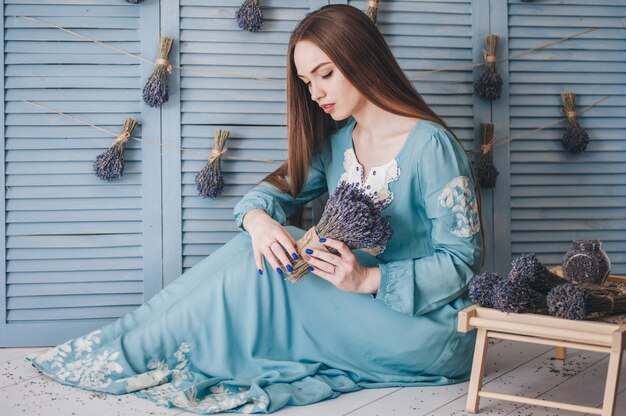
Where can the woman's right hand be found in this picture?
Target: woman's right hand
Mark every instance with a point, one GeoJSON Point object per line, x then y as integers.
{"type": "Point", "coordinates": [269, 240]}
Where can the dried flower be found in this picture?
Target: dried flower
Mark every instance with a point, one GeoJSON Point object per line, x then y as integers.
{"type": "Point", "coordinates": [489, 83]}
{"type": "Point", "coordinates": [580, 301]}
{"type": "Point", "coordinates": [156, 90]}
{"type": "Point", "coordinates": [481, 288]}
{"type": "Point", "coordinates": [510, 296]}
{"type": "Point", "coordinates": [249, 16]}
{"type": "Point", "coordinates": [528, 271]}
{"type": "Point", "coordinates": [209, 180]}
{"type": "Point", "coordinates": [110, 164]}
{"type": "Point", "coordinates": [350, 216]}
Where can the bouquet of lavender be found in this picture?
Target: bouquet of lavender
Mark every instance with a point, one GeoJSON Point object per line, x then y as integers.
{"type": "Point", "coordinates": [575, 139]}
{"type": "Point", "coordinates": [489, 83]}
{"type": "Point", "coordinates": [110, 164]}
{"type": "Point", "coordinates": [350, 216]}
{"type": "Point", "coordinates": [509, 296]}
{"type": "Point", "coordinates": [249, 16]}
{"type": "Point", "coordinates": [580, 301]}
{"type": "Point", "coordinates": [156, 90]}
{"type": "Point", "coordinates": [481, 288]}
{"type": "Point", "coordinates": [209, 180]}
{"type": "Point", "coordinates": [528, 271]}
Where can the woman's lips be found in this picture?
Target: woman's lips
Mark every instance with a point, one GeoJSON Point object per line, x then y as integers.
{"type": "Point", "coordinates": [328, 107]}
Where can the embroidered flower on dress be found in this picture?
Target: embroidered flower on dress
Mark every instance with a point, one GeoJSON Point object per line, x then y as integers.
{"type": "Point", "coordinates": [459, 198]}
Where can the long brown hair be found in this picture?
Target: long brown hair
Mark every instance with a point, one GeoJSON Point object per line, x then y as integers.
{"type": "Point", "coordinates": [358, 49]}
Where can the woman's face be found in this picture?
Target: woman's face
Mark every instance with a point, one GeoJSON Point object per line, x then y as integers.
{"type": "Point", "coordinates": [325, 82]}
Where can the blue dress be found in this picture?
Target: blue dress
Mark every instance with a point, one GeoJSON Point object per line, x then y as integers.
{"type": "Point", "coordinates": [222, 339]}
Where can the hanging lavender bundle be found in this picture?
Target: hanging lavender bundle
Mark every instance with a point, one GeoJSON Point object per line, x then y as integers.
{"type": "Point", "coordinates": [577, 301]}
{"type": "Point", "coordinates": [209, 180]}
{"type": "Point", "coordinates": [372, 10]}
{"type": "Point", "coordinates": [350, 216]}
{"type": "Point", "coordinates": [156, 90]}
{"type": "Point", "coordinates": [575, 139]}
{"type": "Point", "coordinates": [134, 1]}
{"type": "Point", "coordinates": [481, 288]}
{"type": "Point", "coordinates": [489, 83]}
{"type": "Point", "coordinates": [510, 296]}
{"type": "Point", "coordinates": [528, 271]}
{"type": "Point", "coordinates": [110, 164]}
{"type": "Point", "coordinates": [249, 16]}
{"type": "Point", "coordinates": [485, 170]}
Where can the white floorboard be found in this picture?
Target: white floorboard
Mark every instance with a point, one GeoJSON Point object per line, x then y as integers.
{"type": "Point", "coordinates": [512, 367]}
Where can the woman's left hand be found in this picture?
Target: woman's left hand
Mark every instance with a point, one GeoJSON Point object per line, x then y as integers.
{"type": "Point", "coordinates": [343, 270]}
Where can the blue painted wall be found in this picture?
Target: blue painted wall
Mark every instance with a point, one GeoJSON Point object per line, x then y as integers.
{"type": "Point", "coordinates": [77, 252]}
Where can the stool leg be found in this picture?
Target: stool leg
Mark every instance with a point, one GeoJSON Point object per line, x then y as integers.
{"type": "Point", "coordinates": [612, 378]}
{"type": "Point", "coordinates": [478, 370]}
{"type": "Point", "coordinates": [560, 353]}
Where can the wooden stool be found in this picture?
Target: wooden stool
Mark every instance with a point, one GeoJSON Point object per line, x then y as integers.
{"type": "Point", "coordinates": [547, 330]}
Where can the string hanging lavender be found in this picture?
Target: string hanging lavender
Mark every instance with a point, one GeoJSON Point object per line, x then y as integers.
{"type": "Point", "coordinates": [249, 16]}
{"type": "Point", "coordinates": [372, 10]}
{"type": "Point", "coordinates": [156, 90]}
{"type": "Point", "coordinates": [489, 83]}
{"type": "Point", "coordinates": [575, 139]}
{"type": "Point", "coordinates": [528, 271]}
{"type": "Point", "coordinates": [481, 288]}
{"type": "Point", "coordinates": [581, 301]}
{"type": "Point", "coordinates": [209, 180]}
{"type": "Point", "coordinates": [351, 216]}
{"type": "Point", "coordinates": [485, 169]}
{"type": "Point", "coordinates": [510, 296]}
{"type": "Point", "coordinates": [110, 164]}
{"type": "Point", "coordinates": [134, 1]}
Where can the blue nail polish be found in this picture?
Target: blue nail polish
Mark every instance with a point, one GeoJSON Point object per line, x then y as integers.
{"type": "Point", "coordinates": [289, 268]}
{"type": "Point", "coordinates": [310, 268]}
{"type": "Point", "coordinates": [309, 251]}
{"type": "Point", "coordinates": [279, 270]}
{"type": "Point", "coordinates": [322, 240]}
{"type": "Point", "coordinates": [294, 255]}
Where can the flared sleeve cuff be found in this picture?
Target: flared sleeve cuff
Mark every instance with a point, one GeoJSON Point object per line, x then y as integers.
{"type": "Point", "coordinates": [257, 199]}
{"type": "Point", "coordinates": [396, 285]}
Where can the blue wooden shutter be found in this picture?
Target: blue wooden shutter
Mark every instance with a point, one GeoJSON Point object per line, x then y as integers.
{"type": "Point", "coordinates": [79, 252]}
{"type": "Point", "coordinates": [212, 47]}
{"type": "Point", "coordinates": [557, 196]}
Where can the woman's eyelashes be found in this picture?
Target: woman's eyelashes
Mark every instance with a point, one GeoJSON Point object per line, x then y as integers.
{"type": "Point", "coordinates": [308, 84]}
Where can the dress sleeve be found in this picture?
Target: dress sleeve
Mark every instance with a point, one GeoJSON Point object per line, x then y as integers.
{"type": "Point", "coordinates": [279, 205]}
{"type": "Point", "coordinates": [418, 286]}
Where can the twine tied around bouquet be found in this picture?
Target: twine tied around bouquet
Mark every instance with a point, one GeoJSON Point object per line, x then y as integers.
{"type": "Point", "coordinates": [215, 154]}
{"type": "Point", "coordinates": [164, 62]}
{"type": "Point", "coordinates": [121, 138]}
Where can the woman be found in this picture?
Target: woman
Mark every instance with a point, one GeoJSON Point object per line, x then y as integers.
{"type": "Point", "coordinates": [232, 334]}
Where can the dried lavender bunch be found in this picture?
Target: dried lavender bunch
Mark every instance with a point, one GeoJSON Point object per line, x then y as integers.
{"type": "Point", "coordinates": [110, 164]}
{"type": "Point", "coordinates": [372, 10]}
{"type": "Point", "coordinates": [481, 288]}
{"type": "Point", "coordinates": [156, 90]}
{"type": "Point", "coordinates": [510, 296]}
{"type": "Point", "coordinates": [134, 1]}
{"type": "Point", "coordinates": [489, 83]}
{"type": "Point", "coordinates": [249, 16]}
{"type": "Point", "coordinates": [577, 301]}
{"type": "Point", "coordinates": [528, 271]}
{"type": "Point", "coordinates": [209, 180]}
{"type": "Point", "coordinates": [575, 139]}
{"type": "Point", "coordinates": [350, 216]}
{"type": "Point", "coordinates": [485, 170]}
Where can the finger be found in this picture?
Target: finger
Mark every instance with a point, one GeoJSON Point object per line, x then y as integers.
{"type": "Point", "coordinates": [271, 258]}
{"type": "Point", "coordinates": [281, 255]}
{"type": "Point", "coordinates": [258, 259]}
{"type": "Point", "coordinates": [343, 249]}
{"type": "Point", "coordinates": [321, 265]}
{"type": "Point", "coordinates": [324, 255]}
{"type": "Point", "coordinates": [286, 242]}
{"type": "Point", "coordinates": [324, 275]}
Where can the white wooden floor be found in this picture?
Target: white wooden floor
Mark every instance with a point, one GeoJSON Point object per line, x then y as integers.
{"type": "Point", "coordinates": [512, 367]}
